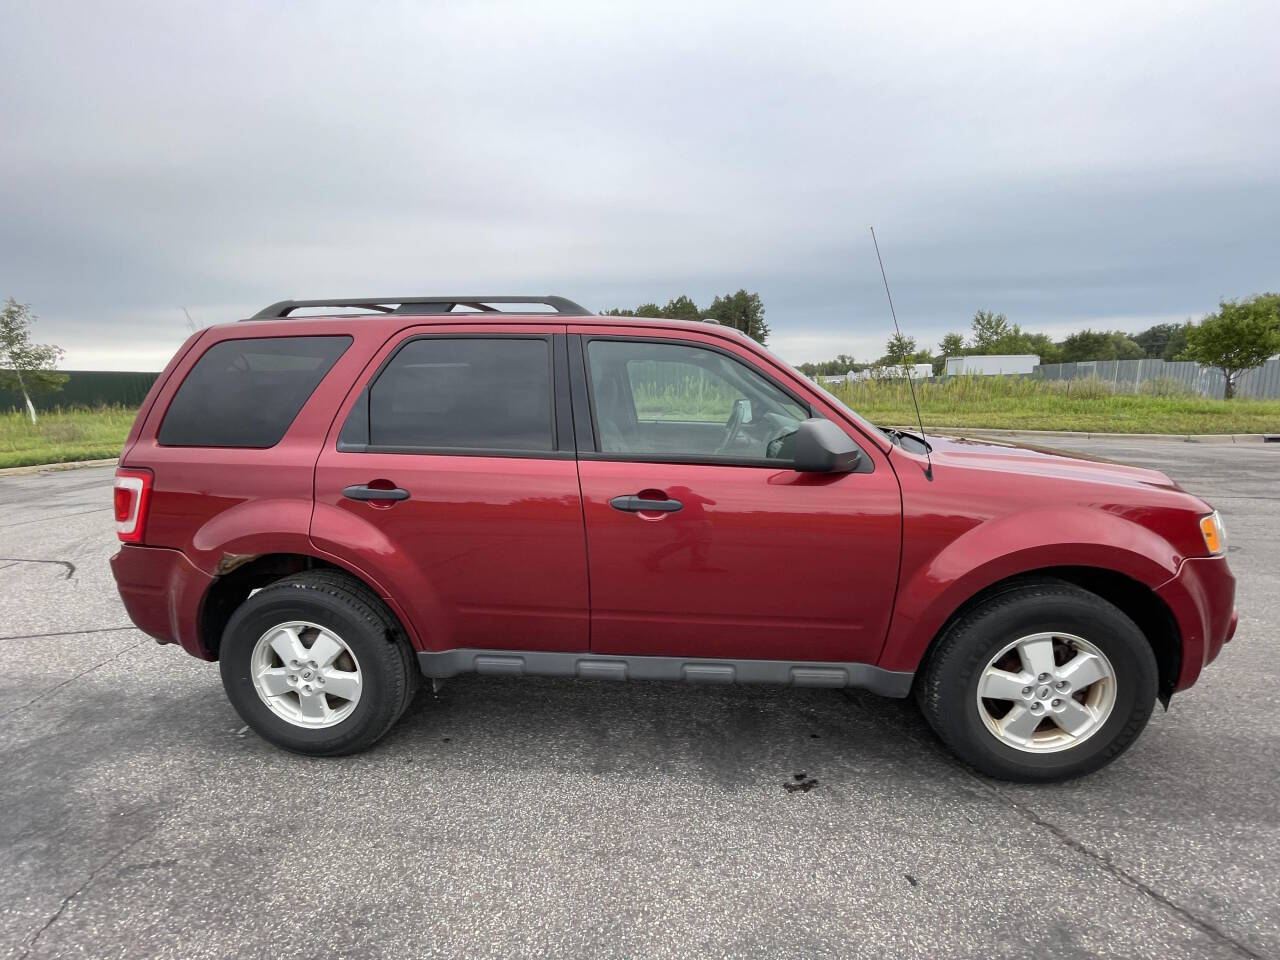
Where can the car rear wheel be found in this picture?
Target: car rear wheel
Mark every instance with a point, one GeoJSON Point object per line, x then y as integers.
{"type": "Point", "coordinates": [1041, 682]}
{"type": "Point", "coordinates": [316, 664]}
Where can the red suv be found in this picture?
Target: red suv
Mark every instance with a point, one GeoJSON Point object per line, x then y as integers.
{"type": "Point", "coordinates": [333, 506]}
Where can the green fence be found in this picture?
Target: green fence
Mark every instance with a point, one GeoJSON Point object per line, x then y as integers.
{"type": "Point", "coordinates": [87, 388]}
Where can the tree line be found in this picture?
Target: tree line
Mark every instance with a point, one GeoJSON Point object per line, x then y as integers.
{"type": "Point", "coordinates": [742, 311]}
{"type": "Point", "coordinates": [1239, 336]}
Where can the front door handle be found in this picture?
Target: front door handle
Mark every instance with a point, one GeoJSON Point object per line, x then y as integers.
{"type": "Point", "coordinates": [362, 491]}
{"type": "Point", "coordinates": [631, 503]}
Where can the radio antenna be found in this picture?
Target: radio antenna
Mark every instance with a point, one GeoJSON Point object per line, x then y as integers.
{"type": "Point", "coordinates": [907, 368]}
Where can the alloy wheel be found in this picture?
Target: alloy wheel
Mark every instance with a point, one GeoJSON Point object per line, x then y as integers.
{"type": "Point", "coordinates": [306, 674]}
{"type": "Point", "coordinates": [1046, 692]}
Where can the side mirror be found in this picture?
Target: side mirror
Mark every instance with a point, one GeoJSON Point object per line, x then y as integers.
{"type": "Point", "coordinates": [822, 447]}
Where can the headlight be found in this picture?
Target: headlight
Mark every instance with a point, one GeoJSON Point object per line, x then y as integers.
{"type": "Point", "coordinates": [1215, 534]}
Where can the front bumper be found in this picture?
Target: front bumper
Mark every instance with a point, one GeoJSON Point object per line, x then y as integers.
{"type": "Point", "coordinates": [1202, 597]}
{"type": "Point", "coordinates": [162, 593]}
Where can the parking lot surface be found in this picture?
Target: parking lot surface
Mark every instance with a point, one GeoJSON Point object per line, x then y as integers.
{"type": "Point", "coordinates": [508, 818]}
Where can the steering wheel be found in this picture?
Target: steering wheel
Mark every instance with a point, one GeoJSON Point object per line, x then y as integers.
{"type": "Point", "coordinates": [732, 426]}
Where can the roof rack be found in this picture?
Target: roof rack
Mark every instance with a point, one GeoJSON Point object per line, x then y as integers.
{"type": "Point", "coordinates": [422, 305]}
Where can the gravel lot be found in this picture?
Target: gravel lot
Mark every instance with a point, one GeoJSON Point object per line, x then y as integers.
{"type": "Point", "coordinates": [532, 818]}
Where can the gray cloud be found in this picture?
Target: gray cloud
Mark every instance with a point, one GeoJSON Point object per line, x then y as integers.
{"type": "Point", "coordinates": [1066, 164]}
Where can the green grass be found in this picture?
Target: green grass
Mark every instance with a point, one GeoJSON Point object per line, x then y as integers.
{"type": "Point", "coordinates": [63, 435]}
{"type": "Point", "coordinates": [1084, 405]}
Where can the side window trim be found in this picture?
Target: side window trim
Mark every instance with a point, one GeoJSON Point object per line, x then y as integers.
{"type": "Point", "coordinates": [584, 407]}
{"type": "Point", "coordinates": [354, 435]}
{"type": "Point", "coordinates": [583, 416]}
{"type": "Point", "coordinates": [561, 398]}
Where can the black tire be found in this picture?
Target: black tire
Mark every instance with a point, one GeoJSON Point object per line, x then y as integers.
{"type": "Point", "coordinates": [355, 613]}
{"type": "Point", "coordinates": [947, 687]}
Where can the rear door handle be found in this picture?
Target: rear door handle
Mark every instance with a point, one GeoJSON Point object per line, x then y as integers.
{"type": "Point", "coordinates": [631, 503]}
{"type": "Point", "coordinates": [362, 491]}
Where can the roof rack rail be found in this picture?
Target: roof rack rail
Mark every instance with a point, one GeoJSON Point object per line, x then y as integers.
{"type": "Point", "coordinates": [422, 305]}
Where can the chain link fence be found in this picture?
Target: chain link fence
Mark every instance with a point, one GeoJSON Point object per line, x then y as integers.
{"type": "Point", "coordinates": [1160, 376]}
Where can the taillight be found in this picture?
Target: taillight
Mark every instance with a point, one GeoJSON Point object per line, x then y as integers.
{"type": "Point", "coordinates": [132, 496]}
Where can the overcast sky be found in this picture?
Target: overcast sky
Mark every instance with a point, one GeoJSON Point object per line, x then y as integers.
{"type": "Point", "coordinates": [1069, 164]}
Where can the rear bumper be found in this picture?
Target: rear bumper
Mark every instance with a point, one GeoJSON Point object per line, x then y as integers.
{"type": "Point", "coordinates": [162, 593]}
{"type": "Point", "coordinates": [1202, 597]}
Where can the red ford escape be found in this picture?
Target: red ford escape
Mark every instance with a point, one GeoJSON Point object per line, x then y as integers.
{"type": "Point", "coordinates": [334, 506]}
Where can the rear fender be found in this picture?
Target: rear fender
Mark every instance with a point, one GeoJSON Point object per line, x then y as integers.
{"type": "Point", "coordinates": [258, 527]}
{"type": "Point", "coordinates": [357, 545]}
{"type": "Point", "coordinates": [250, 529]}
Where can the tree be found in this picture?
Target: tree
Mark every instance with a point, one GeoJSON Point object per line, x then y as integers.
{"type": "Point", "coordinates": [742, 311]}
{"type": "Point", "coordinates": [1100, 345]}
{"type": "Point", "coordinates": [1041, 346]}
{"type": "Point", "coordinates": [843, 363]}
{"type": "Point", "coordinates": [952, 345]}
{"type": "Point", "coordinates": [1155, 340]}
{"type": "Point", "coordinates": [682, 308]}
{"type": "Point", "coordinates": [28, 366]}
{"type": "Point", "coordinates": [989, 329]}
{"type": "Point", "coordinates": [899, 351]}
{"type": "Point", "coordinates": [994, 334]}
{"type": "Point", "coordinates": [1177, 343]}
{"type": "Point", "coordinates": [1243, 334]}
{"type": "Point", "coordinates": [1125, 348]}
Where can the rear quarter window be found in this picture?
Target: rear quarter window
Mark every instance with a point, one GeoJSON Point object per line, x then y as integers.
{"type": "Point", "coordinates": [246, 393]}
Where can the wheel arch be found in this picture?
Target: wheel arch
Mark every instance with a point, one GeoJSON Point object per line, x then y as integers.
{"type": "Point", "coordinates": [1134, 598]}
{"type": "Point", "coordinates": [249, 573]}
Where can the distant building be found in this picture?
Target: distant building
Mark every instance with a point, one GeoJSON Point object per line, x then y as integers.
{"type": "Point", "coordinates": [919, 371]}
{"type": "Point", "coordinates": [990, 365]}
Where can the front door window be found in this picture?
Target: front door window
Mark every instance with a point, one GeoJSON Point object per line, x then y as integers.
{"type": "Point", "coordinates": [670, 400]}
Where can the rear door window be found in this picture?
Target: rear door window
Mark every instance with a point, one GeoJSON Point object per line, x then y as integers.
{"type": "Point", "coordinates": [475, 394]}
{"type": "Point", "coordinates": [246, 393]}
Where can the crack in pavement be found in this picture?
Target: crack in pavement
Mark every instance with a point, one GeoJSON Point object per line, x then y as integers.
{"type": "Point", "coordinates": [1100, 860]}
{"type": "Point", "coordinates": [61, 516]}
{"type": "Point", "coordinates": [66, 901]}
{"type": "Point", "coordinates": [71, 567]}
{"type": "Point", "coordinates": [1108, 866]}
{"type": "Point", "coordinates": [59, 686]}
{"type": "Point", "coordinates": [65, 633]}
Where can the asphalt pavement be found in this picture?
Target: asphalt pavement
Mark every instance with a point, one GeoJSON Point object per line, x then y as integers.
{"type": "Point", "coordinates": [531, 818]}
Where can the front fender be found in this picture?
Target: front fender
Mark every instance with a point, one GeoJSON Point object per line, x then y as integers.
{"type": "Point", "coordinates": [939, 583]}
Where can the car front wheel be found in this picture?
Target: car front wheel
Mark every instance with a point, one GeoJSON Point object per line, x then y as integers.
{"type": "Point", "coordinates": [1042, 682]}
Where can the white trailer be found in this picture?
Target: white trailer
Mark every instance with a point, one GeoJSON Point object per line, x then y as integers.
{"type": "Point", "coordinates": [990, 365]}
